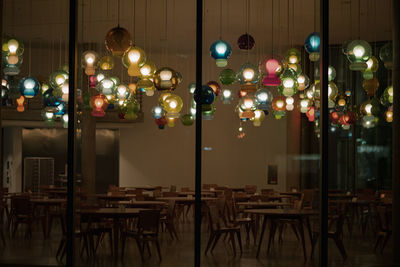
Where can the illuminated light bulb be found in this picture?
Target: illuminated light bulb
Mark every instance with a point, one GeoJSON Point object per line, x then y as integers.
{"type": "Point", "coordinates": [289, 107]}
{"type": "Point", "coordinates": [262, 96]}
{"type": "Point", "coordinates": [221, 48]}
{"type": "Point", "coordinates": [173, 104]}
{"type": "Point", "coordinates": [248, 74]}
{"type": "Point", "coordinates": [60, 79]}
{"type": "Point", "coordinates": [107, 83]}
{"type": "Point", "coordinates": [257, 113]}
{"type": "Point", "coordinates": [289, 101]}
{"type": "Point", "coordinates": [49, 115]}
{"type": "Point", "coordinates": [193, 111]}
{"type": "Point", "coordinates": [240, 129]}
{"type": "Point", "coordinates": [134, 56]}
{"type": "Point", "coordinates": [293, 59]}
{"type": "Point", "coordinates": [145, 70]}
{"type": "Point", "coordinates": [227, 93]}
{"type": "Point", "coordinates": [65, 117]}
{"type": "Point", "coordinates": [13, 46]}
{"type": "Point", "coordinates": [301, 79]}
{"type": "Point", "coordinates": [248, 103]}
{"type": "Point", "coordinates": [89, 59]}
{"type": "Point", "coordinates": [29, 84]}
{"type": "Point", "coordinates": [368, 108]}
{"type": "Point", "coordinates": [20, 104]}
{"type": "Point", "coordinates": [389, 116]}
{"type": "Point", "coordinates": [342, 102]}
{"type": "Point", "coordinates": [65, 88]}
{"type": "Point", "coordinates": [165, 75]}
{"type": "Point", "coordinates": [288, 82]}
{"type": "Point", "coordinates": [304, 103]}
{"type": "Point", "coordinates": [192, 88]}
{"type": "Point", "coordinates": [358, 51]}
{"type": "Point", "coordinates": [100, 77]}
{"type": "Point", "coordinates": [280, 103]}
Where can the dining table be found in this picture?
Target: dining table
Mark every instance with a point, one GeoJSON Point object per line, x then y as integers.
{"type": "Point", "coordinates": [141, 204]}
{"type": "Point", "coordinates": [186, 200]}
{"type": "Point", "coordinates": [263, 204]}
{"type": "Point", "coordinates": [47, 203]}
{"type": "Point", "coordinates": [115, 214]}
{"type": "Point", "coordinates": [300, 215]}
{"type": "Point", "coordinates": [192, 193]}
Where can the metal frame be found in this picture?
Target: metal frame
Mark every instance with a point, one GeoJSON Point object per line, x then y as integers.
{"type": "Point", "coordinates": [324, 143]}
{"type": "Point", "coordinates": [199, 69]}
{"type": "Point", "coordinates": [72, 57]}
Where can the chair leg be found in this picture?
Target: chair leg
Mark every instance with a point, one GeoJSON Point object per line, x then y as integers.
{"type": "Point", "coordinates": [271, 234]}
{"type": "Point", "coordinates": [110, 235]}
{"type": "Point", "coordinates": [217, 236]}
{"type": "Point", "coordinates": [240, 242]}
{"type": "Point", "coordinates": [232, 237]}
{"type": "Point", "coordinates": [158, 249]}
{"type": "Point", "coordinates": [140, 248]}
{"type": "Point", "coordinates": [295, 231]}
{"type": "Point", "coordinates": [378, 240]}
{"type": "Point", "coordinates": [60, 247]}
{"type": "Point", "coordinates": [387, 237]}
{"type": "Point", "coordinates": [15, 227]}
{"type": "Point", "coordinates": [210, 240]}
{"type": "Point", "coordinates": [340, 246]}
{"type": "Point", "coordinates": [313, 243]}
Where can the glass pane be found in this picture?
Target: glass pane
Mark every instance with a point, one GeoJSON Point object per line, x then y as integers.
{"type": "Point", "coordinates": [135, 157]}
{"type": "Point", "coordinates": [260, 147]}
{"type": "Point", "coordinates": [360, 134]}
{"type": "Point", "coordinates": [34, 132]}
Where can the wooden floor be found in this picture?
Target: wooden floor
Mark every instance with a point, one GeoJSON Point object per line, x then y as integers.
{"type": "Point", "coordinates": [39, 252]}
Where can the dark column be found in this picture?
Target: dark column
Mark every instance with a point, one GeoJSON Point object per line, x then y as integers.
{"type": "Point", "coordinates": [72, 57]}
{"type": "Point", "coordinates": [396, 132]}
{"type": "Point", "coordinates": [199, 66]}
{"type": "Point", "coordinates": [1, 104]}
{"type": "Point", "coordinates": [324, 148]}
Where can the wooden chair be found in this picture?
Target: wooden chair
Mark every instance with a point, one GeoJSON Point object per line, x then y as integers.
{"type": "Point", "coordinates": [308, 198]}
{"type": "Point", "coordinates": [384, 220]}
{"type": "Point", "coordinates": [266, 192]}
{"type": "Point", "coordinates": [217, 230]}
{"type": "Point", "coordinates": [336, 234]}
{"type": "Point", "coordinates": [146, 232]}
{"type": "Point", "coordinates": [168, 219]}
{"type": "Point", "coordinates": [170, 194]}
{"type": "Point", "coordinates": [247, 222]}
{"type": "Point", "coordinates": [250, 189]}
{"type": "Point", "coordinates": [2, 208]}
{"type": "Point", "coordinates": [22, 213]}
{"type": "Point", "coordinates": [172, 188]}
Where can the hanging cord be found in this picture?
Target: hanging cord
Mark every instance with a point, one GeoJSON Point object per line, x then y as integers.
{"type": "Point", "coordinates": [293, 31]}
{"type": "Point", "coordinates": [30, 40]}
{"type": "Point", "coordinates": [315, 15]}
{"type": "Point", "coordinates": [165, 33]}
{"type": "Point", "coordinates": [145, 26]}
{"type": "Point", "coordinates": [272, 28]}
{"type": "Point", "coordinates": [248, 27]}
{"type": "Point", "coordinates": [288, 21]}
{"type": "Point", "coordinates": [134, 22]}
{"type": "Point", "coordinates": [220, 19]}
{"type": "Point", "coordinates": [118, 13]}
{"type": "Point", "coordinates": [359, 19]}
{"type": "Point", "coordinates": [375, 39]}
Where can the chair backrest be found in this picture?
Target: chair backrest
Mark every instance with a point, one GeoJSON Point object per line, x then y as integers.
{"type": "Point", "coordinates": [139, 197]}
{"type": "Point", "coordinates": [113, 188]}
{"type": "Point", "coordinates": [214, 217]}
{"type": "Point", "coordinates": [172, 188]}
{"type": "Point", "coordinates": [228, 193]}
{"type": "Point", "coordinates": [250, 189]}
{"type": "Point", "coordinates": [20, 205]}
{"type": "Point", "coordinates": [266, 192]}
{"type": "Point", "coordinates": [308, 198]}
{"type": "Point", "coordinates": [149, 220]}
{"type": "Point", "coordinates": [185, 189]}
{"type": "Point", "coordinates": [148, 197]}
{"type": "Point", "coordinates": [170, 194]}
{"type": "Point", "coordinates": [157, 192]}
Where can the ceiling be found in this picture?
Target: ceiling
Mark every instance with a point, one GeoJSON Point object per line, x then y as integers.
{"type": "Point", "coordinates": [162, 26]}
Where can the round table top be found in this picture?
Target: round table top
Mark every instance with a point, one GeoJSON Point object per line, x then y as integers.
{"type": "Point", "coordinates": [142, 203]}
{"type": "Point", "coordinates": [48, 201]}
{"type": "Point", "coordinates": [111, 212]}
{"type": "Point", "coordinates": [108, 196]}
{"type": "Point", "coordinates": [185, 199]}
{"type": "Point", "coordinates": [282, 212]}
{"type": "Point", "coordinates": [263, 204]}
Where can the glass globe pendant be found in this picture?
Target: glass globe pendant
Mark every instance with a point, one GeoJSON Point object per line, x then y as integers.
{"type": "Point", "coordinates": [89, 62]}
{"type": "Point", "coordinates": [248, 76]}
{"type": "Point", "coordinates": [272, 66]}
{"type": "Point", "coordinates": [312, 45]}
{"type": "Point", "coordinates": [13, 50]}
{"type": "Point", "coordinates": [289, 83]}
{"type": "Point", "coordinates": [370, 86]}
{"type": "Point", "coordinates": [173, 105]}
{"type": "Point", "coordinates": [227, 77]}
{"type": "Point", "coordinates": [246, 42]}
{"type": "Point", "coordinates": [303, 82]}
{"type": "Point", "coordinates": [226, 96]}
{"type": "Point", "coordinates": [263, 98]}
{"type": "Point", "coordinates": [118, 41]}
{"type": "Point", "coordinates": [358, 53]}
{"type": "Point", "coordinates": [165, 79]}
{"type": "Point", "coordinates": [386, 55]}
{"type": "Point", "coordinates": [29, 87]}
{"type": "Point", "coordinates": [258, 118]}
{"type": "Point", "coordinates": [372, 66]}
{"type": "Point", "coordinates": [215, 86]}
{"type": "Point", "coordinates": [99, 104]}
{"type": "Point", "coordinates": [133, 59]}
{"type": "Point", "coordinates": [187, 119]}
{"type": "Point", "coordinates": [293, 56]}
{"type": "Point", "coordinates": [220, 51]}
{"type": "Point", "coordinates": [106, 63]}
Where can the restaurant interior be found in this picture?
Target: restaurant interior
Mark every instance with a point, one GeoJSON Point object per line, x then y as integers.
{"type": "Point", "coordinates": [196, 132]}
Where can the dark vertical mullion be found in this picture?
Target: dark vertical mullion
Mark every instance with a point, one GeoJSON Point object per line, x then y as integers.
{"type": "Point", "coordinates": [396, 132]}
{"type": "Point", "coordinates": [72, 56]}
{"type": "Point", "coordinates": [324, 148]}
{"type": "Point", "coordinates": [199, 66]}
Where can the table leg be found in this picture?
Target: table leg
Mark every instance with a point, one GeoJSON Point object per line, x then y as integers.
{"type": "Point", "coordinates": [116, 236]}
{"type": "Point", "coordinates": [309, 228]}
{"type": "Point", "coordinates": [301, 230]}
{"type": "Point", "coordinates": [264, 225]}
